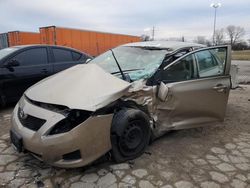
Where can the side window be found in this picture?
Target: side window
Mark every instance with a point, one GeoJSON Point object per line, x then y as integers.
{"type": "Point", "coordinates": [211, 62]}
{"type": "Point", "coordinates": [62, 55]}
{"type": "Point", "coordinates": [76, 56]}
{"type": "Point", "coordinates": [180, 71]}
{"type": "Point", "coordinates": [170, 59]}
{"type": "Point", "coordinates": [34, 56]}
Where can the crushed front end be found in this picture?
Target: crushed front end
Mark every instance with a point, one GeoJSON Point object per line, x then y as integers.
{"type": "Point", "coordinates": [60, 137]}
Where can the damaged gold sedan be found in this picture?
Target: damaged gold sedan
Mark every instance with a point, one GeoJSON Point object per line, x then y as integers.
{"type": "Point", "coordinates": [120, 100]}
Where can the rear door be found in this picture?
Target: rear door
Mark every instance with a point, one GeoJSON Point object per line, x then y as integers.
{"type": "Point", "coordinates": [65, 58]}
{"type": "Point", "coordinates": [33, 66]}
{"type": "Point", "coordinates": [198, 86]}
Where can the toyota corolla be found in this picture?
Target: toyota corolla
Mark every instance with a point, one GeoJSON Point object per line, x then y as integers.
{"type": "Point", "coordinates": [121, 100]}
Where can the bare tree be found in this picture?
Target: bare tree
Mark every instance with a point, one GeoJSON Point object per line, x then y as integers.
{"type": "Point", "coordinates": [235, 33]}
{"type": "Point", "coordinates": [145, 37]}
{"type": "Point", "coordinates": [219, 36]}
{"type": "Point", "coordinates": [200, 40]}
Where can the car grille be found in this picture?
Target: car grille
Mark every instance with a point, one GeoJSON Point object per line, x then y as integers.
{"type": "Point", "coordinates": [30, 122]}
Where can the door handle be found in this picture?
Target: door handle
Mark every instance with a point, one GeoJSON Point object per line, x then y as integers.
{"type": "Point", "coordinates": [44, 71]}
{"type": "Point", "coordinates": [220, 88]}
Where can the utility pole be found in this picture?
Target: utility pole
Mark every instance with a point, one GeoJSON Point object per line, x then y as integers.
{"type": "Point", "coordinates": [153, 33]}
{"type": "Point", "coordinates": [182, 39]}
{"type": "Point", "coordinates": [215, 6]}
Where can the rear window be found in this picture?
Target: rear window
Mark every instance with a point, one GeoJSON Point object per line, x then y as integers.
{"type": "Point", "coordinates": [76, 56]}
{"type": "Point", "coordinates": [62, 55]}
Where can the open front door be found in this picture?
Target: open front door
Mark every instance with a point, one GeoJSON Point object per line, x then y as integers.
{"type": "Point", "coordinates": [194, 89]}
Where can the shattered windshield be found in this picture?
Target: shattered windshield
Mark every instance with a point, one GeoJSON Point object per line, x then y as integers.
{"type": "Point", "coordinates": [138, 62]}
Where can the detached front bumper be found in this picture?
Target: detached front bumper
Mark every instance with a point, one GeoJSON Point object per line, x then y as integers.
{"type": "Point", "coordinates": [78, 147]}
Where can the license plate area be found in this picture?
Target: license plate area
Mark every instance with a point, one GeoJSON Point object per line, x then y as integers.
{"type": "Point", "coordinates": [16, 140]}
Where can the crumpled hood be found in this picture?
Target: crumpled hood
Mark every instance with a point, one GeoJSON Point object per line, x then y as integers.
{"type": "Point", "coordinates": [85, 87]}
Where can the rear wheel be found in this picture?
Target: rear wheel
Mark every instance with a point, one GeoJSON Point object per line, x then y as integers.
{"type": "Point", "coordinates": [2, 100]}
{"type": "Point", "coordinates": [130, 134]}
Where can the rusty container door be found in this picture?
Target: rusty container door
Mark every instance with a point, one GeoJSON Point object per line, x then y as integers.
{"type": "Point", "coordinates": [23, 38]}
{"type": "Point", "coordinates": [13, 38]}
{"type": "Point", "coordinates": [48, 35]}
{"type": "Point", "coordinates": [4, 40]}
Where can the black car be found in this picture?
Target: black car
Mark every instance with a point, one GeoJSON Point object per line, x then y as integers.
{"type": "Point", "coordinates": [23, 66]}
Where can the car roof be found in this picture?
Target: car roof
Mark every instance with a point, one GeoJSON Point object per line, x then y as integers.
{"type": "Point", "coordinates": [45, 45]}
{"type": "Point", "coordinates": [169, 45]}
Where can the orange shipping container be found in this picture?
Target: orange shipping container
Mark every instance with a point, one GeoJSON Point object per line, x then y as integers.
{"type": "Point", "coordinates": [22, 38]}
{"type": "Point", "coordinates": [91, 42]}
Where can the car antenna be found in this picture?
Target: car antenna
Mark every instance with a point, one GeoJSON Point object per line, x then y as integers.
{"type": "Point", "coordinates": [123, 76]}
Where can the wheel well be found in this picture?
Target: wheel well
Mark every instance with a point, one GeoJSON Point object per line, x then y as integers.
{"type": "Point", "coordinates": [120, 104]}
{"type": "Point", "coordinates": [133, 104]}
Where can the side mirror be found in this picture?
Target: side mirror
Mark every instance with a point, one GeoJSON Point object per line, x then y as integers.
{"type": "Point", "coordinates": [127, 78]}
{"type": "Point", "coordinates": [88, 60]}
{"type": "Point", "coordinates": [12, 63]}
{"type": "Point", "coordinates": [163, 92]}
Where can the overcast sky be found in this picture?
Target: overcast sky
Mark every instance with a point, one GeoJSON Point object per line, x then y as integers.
{"type": "Point", "coordinates": [171, 18]}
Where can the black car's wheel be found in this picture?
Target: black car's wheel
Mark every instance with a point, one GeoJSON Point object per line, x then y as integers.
{"type": "Point", "coordinates": [2, 100]}
{"type": "Point", "coordinates": [130, 134]}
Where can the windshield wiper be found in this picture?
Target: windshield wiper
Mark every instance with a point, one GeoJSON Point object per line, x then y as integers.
{"type": "Point", "coordinates": [126, 71]}
{"type": "Point", "coordinates": [123, 76]}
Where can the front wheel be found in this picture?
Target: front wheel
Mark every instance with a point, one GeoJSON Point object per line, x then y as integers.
{"type": "Point", "coordinates": [130, 134]}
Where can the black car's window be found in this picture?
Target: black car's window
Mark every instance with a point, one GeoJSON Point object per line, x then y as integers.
{"type": "Point", "coordinates": [180, 71]}
{"type": "Point", "coordinates": [76, 56]}
{"type": "Point", "coordinates": [7, 51]}
{"type": "Point", "coordinates": [62, 55]}
{"type": "Point", "coordinates": [211, 62]}
{"type": "Point", "coordinates": [34, 56]}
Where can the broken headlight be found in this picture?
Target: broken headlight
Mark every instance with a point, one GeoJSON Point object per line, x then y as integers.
{"type": "Point", "coordinates": [73, 118]}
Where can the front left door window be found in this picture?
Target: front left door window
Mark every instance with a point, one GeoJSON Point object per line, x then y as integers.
{"type": "Point", "coordinates": [32, 57]}
{"type": "Point", "coordinates": [180, 71]}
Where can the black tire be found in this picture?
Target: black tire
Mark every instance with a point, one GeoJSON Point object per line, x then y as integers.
{"type": "Point", "coordinates": [2, 100]}
{"type": "Point", "coordinates": [130, 134]}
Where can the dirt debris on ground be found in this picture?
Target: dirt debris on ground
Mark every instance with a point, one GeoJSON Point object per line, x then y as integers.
{"type": "Point", "coordinates": [215, 156]}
